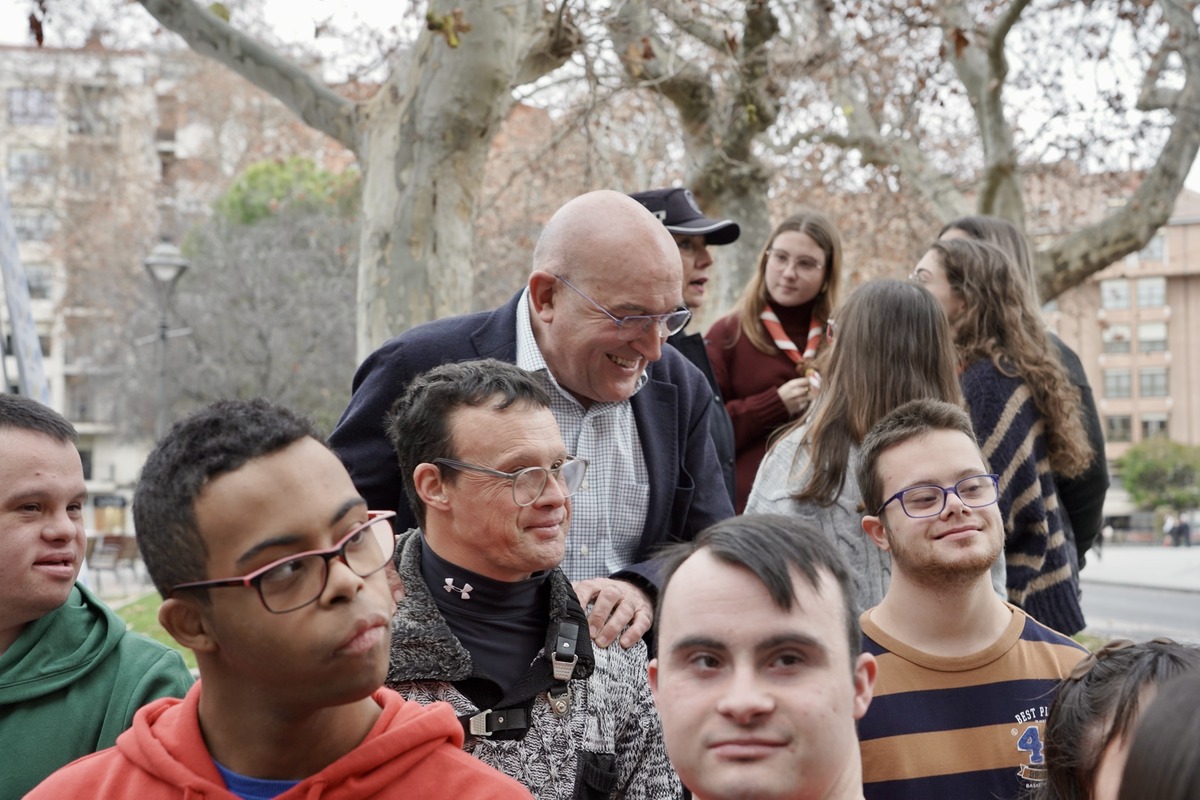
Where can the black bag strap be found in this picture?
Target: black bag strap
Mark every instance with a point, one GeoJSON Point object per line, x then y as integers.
{"type": "Point", "coordinates": [512, 715]}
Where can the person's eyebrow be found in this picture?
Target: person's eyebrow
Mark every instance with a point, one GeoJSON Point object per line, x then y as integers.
{"type": "Point", "coordinates": [697, 642]}
{"type": "Point", "coordinates": [345, 508]}
{"type": "Point", "coordinates": [793, 639]}
{"type": "Point", "coordinates": [286, 539]}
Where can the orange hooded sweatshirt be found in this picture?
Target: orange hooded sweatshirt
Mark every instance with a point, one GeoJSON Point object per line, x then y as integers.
{"type": "Point", "coordinates": [412, 751]}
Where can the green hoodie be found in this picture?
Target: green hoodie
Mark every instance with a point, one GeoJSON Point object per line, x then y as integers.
{"type": "Point", "coordinates": [70, 684]}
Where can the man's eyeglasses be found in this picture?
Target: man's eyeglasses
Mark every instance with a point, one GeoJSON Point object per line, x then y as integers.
{"type": "Point", "coordinates": [298, 580]}
{"type": "Point", "coordinates": [976, 491]}
{"type": "Point", "coordinates": [529, 483]}
{"type": "Point", "coordinates": [636, 326]}
{"type": "Point", "coordinates": [781, 260]}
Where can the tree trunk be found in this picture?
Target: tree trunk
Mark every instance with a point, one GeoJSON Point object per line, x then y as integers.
{"type": "Point", "coordinates": [421, 141]}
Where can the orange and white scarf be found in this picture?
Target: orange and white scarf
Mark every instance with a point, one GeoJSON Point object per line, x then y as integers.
{"type": "Point", "coordinates": [784, 342]}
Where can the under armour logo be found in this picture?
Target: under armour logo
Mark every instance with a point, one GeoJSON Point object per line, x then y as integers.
{"type": "Point", "coordinates": [465, 591]}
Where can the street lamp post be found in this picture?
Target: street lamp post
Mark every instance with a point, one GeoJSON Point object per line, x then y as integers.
{"type": "Point", "coordinates": [165, 265]}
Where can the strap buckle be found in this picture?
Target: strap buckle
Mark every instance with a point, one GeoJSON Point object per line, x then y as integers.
{"type": "Point", "coordinates": [485, 723]}
{"type": "Point", "coordinates": [564, 659]}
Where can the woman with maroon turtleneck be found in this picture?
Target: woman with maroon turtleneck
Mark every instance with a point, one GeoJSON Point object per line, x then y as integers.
{"type": "Point", "coordinates": [762, 354]}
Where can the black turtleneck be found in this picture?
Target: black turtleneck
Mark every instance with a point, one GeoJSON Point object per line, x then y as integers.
{"type": "Point", "coordinates": [796, 320]}
{"type": "Point", "coordinates": [502, 624]}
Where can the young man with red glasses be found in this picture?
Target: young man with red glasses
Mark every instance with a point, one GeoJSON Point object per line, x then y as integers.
{"type": "Point", "coordinates": [272, 570]}
{"type": "Point", "coordinates": [965, 679]}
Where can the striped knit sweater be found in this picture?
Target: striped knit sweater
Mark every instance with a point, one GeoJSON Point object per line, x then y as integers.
{"type": "Point", "coordinates": [966, 727]}
{"type": "Point", "coordinates": [1043, 571]}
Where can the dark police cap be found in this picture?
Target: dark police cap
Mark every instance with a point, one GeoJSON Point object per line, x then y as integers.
{"type": "Point", "coordinates": [679, 213]}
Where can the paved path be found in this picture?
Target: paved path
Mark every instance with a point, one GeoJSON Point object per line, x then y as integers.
{"type": "Point", "coordinates": [1148, 566]}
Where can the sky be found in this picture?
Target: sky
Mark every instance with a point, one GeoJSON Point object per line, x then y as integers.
{"type": "Point", "coordinates": [294, 20]}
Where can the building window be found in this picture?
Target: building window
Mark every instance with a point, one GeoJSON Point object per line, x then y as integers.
{"type": "Point", "coordinates": [93, 112]}
{"type": "Point", "coordinates": [1151, 292]}
{"type": "Point", "coordinates": [1152, 382]}
{"type": "Point", "coordinates": [33, 226]}
{"type": "Point", "coordinates": [1154, 425]}
{"type": "Point", "coordinates": [1114, 293]}
{"type": "Point", "coordinates": [1117, 338]}
{"type": "Point", "coordinates": [1152, 337]}
{"type": "Point", "coordinates": [1154, 250]}
{"type": "Point", "coordinates": [31, 107]}
{"type": "Point", "coordinates": [29, 167]}
{"type": "Point", "coordinates": [1118, 428]}
{"type": "Point", "coordinates": [80, 177]}
{"type": "Point", "coordinates": [1118, 383]}
{"type": "Point", "coordinates": [41, 282]}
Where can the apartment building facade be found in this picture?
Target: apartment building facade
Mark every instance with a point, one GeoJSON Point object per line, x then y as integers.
{"type": "Point", "coordinates": [1136, 328]}
{"type": "Point", "coordinates": [103, 154]}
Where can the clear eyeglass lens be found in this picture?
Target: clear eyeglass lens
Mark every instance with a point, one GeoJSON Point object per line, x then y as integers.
{"type": "Point", "coordinates": [298, 582]}
{"type": "Point", "coordinates": [529, 483]}
{"type": "Point", "coordinates": [928, 501]}
{"type": "Point", "coordinates": [783, 260]}
{"type": "Point", "coordinates": [637, 326]}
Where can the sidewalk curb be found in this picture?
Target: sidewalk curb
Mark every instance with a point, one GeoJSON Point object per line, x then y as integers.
{"type": "Point", "coordinates": [1135, 585]}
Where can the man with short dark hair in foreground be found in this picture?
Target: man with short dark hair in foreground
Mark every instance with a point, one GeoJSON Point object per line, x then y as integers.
{"type": "Point", "coordinates": [759, 679]}
{"type": "Point", "coordinates": [272, 570]}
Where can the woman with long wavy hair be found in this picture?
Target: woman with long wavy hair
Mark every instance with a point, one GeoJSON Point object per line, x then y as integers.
{"type": "Point", "coordinates": [1026, 414]}
{"type": "Point", "coordinates": [1082, 496]}
{"type": "Point", "coordinates": [763, 353]}
{"type": "Point", "coordinates": [892, 344]}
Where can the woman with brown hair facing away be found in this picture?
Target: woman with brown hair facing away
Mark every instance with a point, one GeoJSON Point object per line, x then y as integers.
{"type": "Point", "coordinates": [1096, 711]}
{"type": "Point", "coordinates": [762, 354]}
{"type": "Point", "coordinates": [1164, 762]}
{"type": "Point", "coordinates": [892, 345]}
{"type": "Point", "coordinates": [1026, 414]}
{"type": "Point", "coordinates": [1083, 496]}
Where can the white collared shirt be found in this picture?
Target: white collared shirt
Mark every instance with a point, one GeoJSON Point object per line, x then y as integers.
{"type": "Point", "coordinates": [609, 513]}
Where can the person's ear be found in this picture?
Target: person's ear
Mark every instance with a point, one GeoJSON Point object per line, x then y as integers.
{"type": "Point", "coordinates": [430, 486]}
{"type": "Point", "coordinates": [652, 673]}
{"type": "Point", "coordinates": [865, 670]}
{"type": "Point", "coordinates": [874, 527]}
{"type": "Point", "coordinates": [188, 623]}
{"type": "Point", "coordinates": [542, 286]}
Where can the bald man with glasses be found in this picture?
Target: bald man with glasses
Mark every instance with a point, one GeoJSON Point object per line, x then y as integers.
{"type": "Point", "coordinates": [605, 292]}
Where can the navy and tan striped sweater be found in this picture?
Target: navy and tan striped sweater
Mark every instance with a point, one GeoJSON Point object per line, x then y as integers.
{"type": "Point", "coordinates": [1043, 571]}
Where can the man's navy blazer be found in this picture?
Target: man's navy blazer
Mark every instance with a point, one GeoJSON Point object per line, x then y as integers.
{"type": "Point", "coordinates": [687, 491]}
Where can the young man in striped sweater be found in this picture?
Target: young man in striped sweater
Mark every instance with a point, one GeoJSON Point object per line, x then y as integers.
{"type": "Point", "coordinates": [965, 680]}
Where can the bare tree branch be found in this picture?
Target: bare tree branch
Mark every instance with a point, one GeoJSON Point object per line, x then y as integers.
{"type": "Point", "coordinates": [1071, 260]}
{"type": "Point", "coordinates": [1153, 97]}
{"type": "Point", "coordinates": [977, 56]}
{"type": "Point", "coordinates": [686, 20]}
{"type": "Point", "coordinates": [555, 45]}
{"type": "Point", "coordinates": [865, 134]}
{"type": "Point", "coordinates": [314, 102]}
